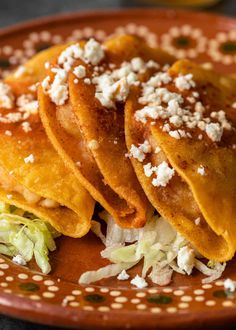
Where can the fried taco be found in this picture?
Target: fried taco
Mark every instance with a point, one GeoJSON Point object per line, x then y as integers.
{"type": "Point", "coordinates": [87, 127]}
{"type": "Point", "coordinates": [189, 172]}
{"type": "Point", "coordinates": [33, 177]}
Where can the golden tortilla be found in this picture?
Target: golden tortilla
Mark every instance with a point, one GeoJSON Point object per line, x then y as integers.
{"type": "Point", "coordinates": [47, 176]}
{"type": "Point", "coordinates": [188, 195]}
{"type": "Point", "coordinates": [105, 172]}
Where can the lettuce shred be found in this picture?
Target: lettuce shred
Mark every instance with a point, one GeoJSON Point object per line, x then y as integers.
{"type": "Point", "coordinates": [161, 249]}
{"type": "Point", "coordinates": [23, 234]}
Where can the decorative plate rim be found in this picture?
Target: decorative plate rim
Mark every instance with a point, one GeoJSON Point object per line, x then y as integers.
{"type": "Point", "coordinates": [72, 317]}
{"type": "Point", "coordinates": [84, 14]}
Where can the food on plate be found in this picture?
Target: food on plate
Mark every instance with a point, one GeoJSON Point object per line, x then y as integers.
{"type": "Point", "coordinates": [33, 176]}
{"type": "Point", "coordinates": [189, 173]}
{"type": "Point", "coordinates": [149, 138]}
{"type": "Point", "coordinates": [87, 131]}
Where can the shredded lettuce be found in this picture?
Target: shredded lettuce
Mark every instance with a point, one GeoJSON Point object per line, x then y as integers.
{"type": "Point", "coordinates": [161, 248]}
{"type": "Point", "coordinates": [21, 233]}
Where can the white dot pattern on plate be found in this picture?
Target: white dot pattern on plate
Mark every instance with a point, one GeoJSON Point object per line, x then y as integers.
{"type": "Point", "coordinates": [53, 288]}
{"type": "Point", "coordinates": [89, 289]}
{"type": "Point", "coordinates": [167, 290]}
{"type": "Point", "coordinates": [74, 304]}
{"type": "Point", "coordinates": [116, 306]}
{"type": "Point", "coordinates": [76, 292]}
{"type": "Point", "coordinates": [171, 309]}
{"type": "Point", "coordinates": [9, 278]}
{"type": "Point", "coordinates": [35, 297]}
{"type": "Point", "coordinates": [47, 294]}
{"type": "Point", "coordinates": [198, 292]}
{"type": "Point", "coordinates": [155, 310]}
{"type": "Point", "coordinates": [141, 294]}
{"type": "Point", "coordinates": [37, 278]}
{"type": "Point", "coordinates": [183, 305]}
{"type": "Point", "coordinates": [104, 290]}
{"type": "Point", "coordinates": [4, 266]}
{"type": "Point", "coordinates": [103, 309]}
{"type": "Point", "coordinates": [3, 284]}
{"type": "Point", "coordinates": [199, 298]}
{"type": "Point", "coordinates": [210, 303]}
{"type": "Point", "coordinates": [227, 303]}
{"type": "Point", "coordinates": [49, 282]}
{"type": "Point", "coordinates": [121, 299]}
{"type": "Point", "coordinates": [182, 296]}
{"type": "Point", "coordinates": [178, 292]}
{"type": "Point", "coordinates": [69, 298]}
{"type": "Point", "coordinates": [186, 298]}
{"type": "Point", "coordinates": [152, 290]}
{"type": "Point", "coordinates": [23, 276]}
{"type": "Point", "coordinates": [141, 306]}
{"type": "Point", "coordinates": [115, 293]}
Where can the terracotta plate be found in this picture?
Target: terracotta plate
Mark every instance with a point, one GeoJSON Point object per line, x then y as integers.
{"type": "Point", "coordinates": [58, 299]}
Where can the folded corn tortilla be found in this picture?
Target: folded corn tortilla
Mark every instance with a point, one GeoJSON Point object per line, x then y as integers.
{"type": "Point", "coordinates": [90, 137]}
{"type": "Point", "coordinates": [32, 175]}
{"type": "Point", "coordinates": [199, 200]}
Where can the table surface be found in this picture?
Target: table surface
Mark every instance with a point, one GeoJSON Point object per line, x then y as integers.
{"type": "Point", "coordinates": [13, 11]}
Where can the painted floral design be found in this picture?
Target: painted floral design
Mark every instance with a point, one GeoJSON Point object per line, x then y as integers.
{"type": "Point", "coordinates": [139, 30]}
{"type": "Point", "coordinates": [223, 47]}
{"type": "Point", "coordinates": [184, 41]}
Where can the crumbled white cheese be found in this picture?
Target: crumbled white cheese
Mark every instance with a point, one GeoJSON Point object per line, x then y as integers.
{"type": "Point", "coordinates": [197, 221]}
{"type": "Point", "coordinates": [13, 117]}
{"type": "Point", "coordinates": [26, 127]}
{"type": "Point", "coordinates": [234, 105]}
{"type": "Point", "coordinates": [149, 169]}
{"type": "Point", "coordinates": [214, 131]}
{"type": "Point", "coordinates": [140, 152]}
{"type": "Point", "coordinates": [87, 81]}
{"type": "Point", "coordinates": [201, 170]}
{"type": "Point", "coordinates": [139, 282]}
{"type": "Point", "coordinates": [27, 105]}
{"type": "Point", "coordinates": [49, 203]}
{"type": "Point", "coordinates": [221, 117]}
{"type": "Point", "coordinates": [157, 150]}
{"type": "Point", "coordinates": [123, 276]}
{"type": "Point", "coordinates": [93, 52]}
{"type": "Point", "coordinates": [186, 259]}
{"type": "Point", "coordinates": [159, 79]}
{"type": "Point", "coordinates": [137, 64]}
{"type": "Point", "coordinates": [8, 133]}
{"type": "Point", "coordinates": [230, 285]}
{"type": "Point", "coordinates": [29, 159]}
{"type": "Point", "coordinates": [93, 145]}
{"type": "Point", "coordinates": [175, 134]}
{"type": "Point", "coordinates": [18, 259]}
{"type": "Point", "coordinates": [79, 71]}
{"type": "Point", "coordinates": [20, 71]}
{"type": "Point", "coordinates": [164, 174]}
{"type": "Point", "coordinates": [6, 96]}
{"type": "Point", "coordinates": [183, 82]}
{"type": "Point", "coordinates": [58, 90]}
{"type": "Point", "coordinates": [47, 65]}
{"type": "Point", "coordinates": [9, 196]}
{"type": "Point", "coordinates": [33, 88]}
{"type": "Point", "coordinates": [152, 112]}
